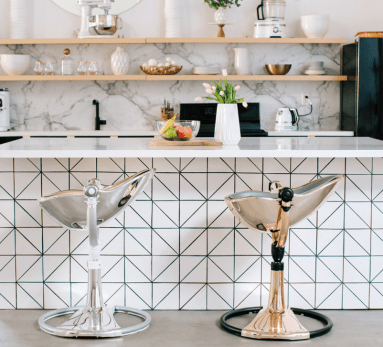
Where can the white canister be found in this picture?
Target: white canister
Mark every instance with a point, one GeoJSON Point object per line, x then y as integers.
{"type": "Point", "coordinates": [120, 61]}
{"type": "Point", "coordinates": [4, 110]}
{"type": "Point", "coordinates": [227, 129]}
{"type": "Point", "coordinates": [242, 61]}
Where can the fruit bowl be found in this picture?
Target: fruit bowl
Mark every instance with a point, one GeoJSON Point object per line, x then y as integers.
{"type": "Point", "coordinates": [184, 130]}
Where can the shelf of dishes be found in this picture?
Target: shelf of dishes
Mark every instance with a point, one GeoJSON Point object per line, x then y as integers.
{"type": "Point", "coordinates": [327, 78]}
{"type": "Point", "coordinates": [294, 40]}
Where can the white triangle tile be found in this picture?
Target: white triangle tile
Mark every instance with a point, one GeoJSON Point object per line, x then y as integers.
{"type": "Point", "coordinates": [377, 188]}
{"type": "Point", "coordinates": [29, 268]}
{"type": "Point", "coordinates": [355, 296]}
{"type": "Point", "coordinates": [357, 215]}
{"type": "Point", "coordinates": [6, 164]}
{"type": "Point", "coordinates": [143, 263]}
{"type": "Point", "coordinates": [249, 165]}
{"type": "Point", "coordinates": [78, 266]}
{"type": "Point", "coordinates": [219, 215]}
{"type": "Point", "coordinates": [220, 269]}
{"type": "Point", "coordinates": [112, 241]}
{"type": "Point", "coordinates": [225, 246]}
{"type": "Point", "coordinates": [354, 271]}
{"type": "Point", "coordinates": [329, 269]}
{"type": "Point", "coordinates": [139, 215]}
{"type": "Point", "coordinates": [6, 185]}
{"type": "Point", "coordinates": [48, 220]}
{"type": "Point", "coordinates": [330, 215]}
{"type": "Point", "coordinates": [161, 264]}
{"type": "Point", "coordinates": [376, 296]}
{"type": "Point", "coordinates": [110, 165]}
{"type": "Point", "coordinates": [359, 166]}
{"type": "Point", "coordinates": [331, 166]}
{"type": "Point", "coordinates": [85, 164]}
{"type": "Point", "coordinates": [54, 182]}
{"type": "Point", "coordinates": [56, 295]}
{"type": "Point", "coordinates": [231, 162]}
{"type": "Point", "coordinates": [362, 264]}
{"type": "Point", "coordinates": [193, 186]}
{"type": "Point", "coordinates": [304, 165]}
{"type": "Point", "coordinates": [8, 296]}
{"type": "Point", "coordinates": [330, 242]}
{"type": "Point", "coordinates": [77, 180]}
{"type": "Point", "coordinates": [377, 215]}
{"type": "Point", "coordinates": [170, 302]}
{"type": "Point", "coordinates": [165, 214]}
{"type": "Point", "coordinates": [79, 294]}
{"type": "Point", "coordinates": [247, 295]}
{"type": "Point", "coordinates": [220, 296]}
{"type": "Point", "coordinates": [165, 241]}
{"type": "Point", "coordinates": [198, 302]}
{"type": "Point", "coordinates": [247, 242]}
{"type": "Point", "coordinates": [166, 186]}
{"type": "Point", "coordinates": [7, 213]}
{"type": "Point", "coordinates": [220, 185]}
{"type": "Point", "coordinates": [28, 241]}
{"type": "Point", "coordinates": [358, 188]}
{"type": "Point", "coordinates": [133, 273]}
{"type": "Point", "coordinates": [114, 294]}
{"type": "Point", "coordinates": [116, 272]}
{"type": "Point", "coordinates": [302, 241]}
{"type": "Point", "coordinates": [134, 165]}
{"type": "Point", "coordinates": [138, 241]}
{"type": "Point", "coordinates": [7, 241]}
{"type": "Point", "coordinates": [193, 241]}
{"type": "Point", "coordinates": [138, 295]}
{"type": "Point", "coordinates": [276, 165]}
{"type": "Point", "coordinates": [193, 269]}
{"type": "Point", "coordinates": [56, 241]}
{"type": "Point", "coordinates": [162, 290]}
{"type": "Point", "coordinates": [30, 296]}
{"type": "Point", "coordinates": [216, 236]}
{"type": "Point", "coordinates": [194, 165]}
{"type": "Point", "coordinates": [79, 243]}
{"type": "Point", "coordinates": [302, 295]}
{"type": "Point", "coordinates": [188, 291]}
{"type": "Point", "coordinates": [166, 164]}
{"type": "Point", "coordinates": [170, 274]}
{"type": "Point", "coordinates": [247, 269]}
{"type": "Point", "coordinates": [219, 165]}
{"type": "Point", "coordinates": [55, 165]}
{"type": "Point", "coordinates": [56, 268]}
{"type": "Point", "coordinates": [357, 242]}
{"type": "Point", "coordinates": [27, 213]}
{"type": "Point", "coordinates": [27, 185]}
{"type": "Point", "coordinates": [245, 182]}
{"type": "Point", "coordinates": [7, 269]}
{"type": "Point", "coordinates": [110, 178]}
{"type": "Point", "coordinates": [26, 165]}
{"type": "Point", "coordinates": [302, 269]}
{"type": "Point", "coordinates": [377, 242]}
{"type": "Point", "coordinates": [329, 296]}
{"type": "Point", "coordinates": [193, 214]}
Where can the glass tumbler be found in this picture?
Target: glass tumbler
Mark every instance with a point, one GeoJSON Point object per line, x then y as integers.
{"type": "Point", "coordinates": [50, 68]}
{"type": "Point", "coordinates": [82, 68]}
{"type": "Point", "coordinates": [39, 68]}
{"type": "Point", "coordinates": [93, 68]}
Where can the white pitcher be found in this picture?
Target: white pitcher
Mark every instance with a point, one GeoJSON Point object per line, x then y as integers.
{"type": "Point", "coordinates": [242, 61]}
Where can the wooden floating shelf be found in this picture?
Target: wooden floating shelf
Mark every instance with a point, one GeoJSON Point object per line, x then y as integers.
{"type": "Point", "coordinates": [327, 78]}
{"type": "Point", "coordinates": [169, 40]}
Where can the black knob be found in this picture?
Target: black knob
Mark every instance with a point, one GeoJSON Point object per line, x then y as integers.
{"type": "Point", "coordinates": [286, 194]}
{"type": "Point", "coordinates": [102, 122]}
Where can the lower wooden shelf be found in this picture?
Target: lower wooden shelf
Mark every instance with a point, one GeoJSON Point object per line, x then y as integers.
{"type": "Point", "coordinates": [53, 78]}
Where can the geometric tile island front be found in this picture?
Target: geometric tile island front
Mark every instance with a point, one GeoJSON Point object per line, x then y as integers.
{"type": "Point", "coordinates": [179, 247]}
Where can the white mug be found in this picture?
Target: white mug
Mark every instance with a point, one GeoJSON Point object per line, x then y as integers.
{"type": "Point", "coordinates": [242, 63]}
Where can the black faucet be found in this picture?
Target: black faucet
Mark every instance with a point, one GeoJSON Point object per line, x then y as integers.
{"type": "Point", "coordinates": [99, 122]}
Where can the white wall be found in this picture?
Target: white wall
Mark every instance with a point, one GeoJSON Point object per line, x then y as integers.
{"type": "Point", "coordinates": [348, 17]}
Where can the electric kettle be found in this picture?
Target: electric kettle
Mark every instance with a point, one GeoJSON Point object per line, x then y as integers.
{"type": "Point", "coordinates": [287, 119]}
{"type": "Point", "coordinates": [4, 110]}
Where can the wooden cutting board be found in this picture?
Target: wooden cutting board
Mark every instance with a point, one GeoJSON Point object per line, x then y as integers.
{"type": "Point", "coordinates": [184, 143]}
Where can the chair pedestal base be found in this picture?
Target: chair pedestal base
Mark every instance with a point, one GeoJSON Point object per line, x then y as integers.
{"type": "Point", "coordinates": [92, 324]}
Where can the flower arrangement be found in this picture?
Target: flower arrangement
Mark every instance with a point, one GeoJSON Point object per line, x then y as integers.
{"type": "Point", "coordinates": [216, 4]}
{"type": "Point", "coordinates": [223, 95]}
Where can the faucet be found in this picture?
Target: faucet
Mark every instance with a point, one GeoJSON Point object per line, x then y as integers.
{"type": "Point", "coordinates": [99, 122]}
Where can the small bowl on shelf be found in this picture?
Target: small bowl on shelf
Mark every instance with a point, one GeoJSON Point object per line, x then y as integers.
{"type": "Point", "coordinates": [161, 70]}
{"type": "Point", "coordinates": [278, 69]}
{"type": "Point", "coordinates": [183, 130]}
{"type": "Point", "coordinates": [15, 64]}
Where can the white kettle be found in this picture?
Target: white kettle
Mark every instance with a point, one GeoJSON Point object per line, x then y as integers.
{"type": "Point", "coordinates": [287, 119]}
{"type": "Point", "coordinates": [4, 110]}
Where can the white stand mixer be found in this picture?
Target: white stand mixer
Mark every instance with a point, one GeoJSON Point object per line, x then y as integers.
{"type": "Point", "coordinates": [105, 25]}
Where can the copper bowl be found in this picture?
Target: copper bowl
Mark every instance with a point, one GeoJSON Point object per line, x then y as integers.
{"type": "Point", "coordinates": [279, 69]}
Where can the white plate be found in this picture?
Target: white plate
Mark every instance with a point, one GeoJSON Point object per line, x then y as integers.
{"type": "Point", "coordinates": [315, 72]}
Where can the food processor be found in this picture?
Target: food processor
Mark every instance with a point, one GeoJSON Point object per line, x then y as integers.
{"type": "Point", "coordinates": [271, 19]}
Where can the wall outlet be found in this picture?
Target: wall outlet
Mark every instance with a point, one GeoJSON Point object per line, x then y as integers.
{"type": "Point", "coordinates": [305, 99]}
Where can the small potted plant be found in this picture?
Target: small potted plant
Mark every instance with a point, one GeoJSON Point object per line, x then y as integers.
{"type": "Point", "coordinates": [227, 129]}
{"type": "Point", "coordinates": [220, 6]}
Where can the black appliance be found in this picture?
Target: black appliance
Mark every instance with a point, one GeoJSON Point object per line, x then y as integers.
{"type": "Point", "coordinates": [362, 94]}
{"type": "Point", "coordinates": [249, 118]}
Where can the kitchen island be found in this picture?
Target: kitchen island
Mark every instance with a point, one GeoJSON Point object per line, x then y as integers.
{"type": "Point", "coordinates": [178, 246]}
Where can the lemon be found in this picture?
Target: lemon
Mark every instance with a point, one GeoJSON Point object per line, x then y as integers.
{"type": "Point", "coordinates": [168, 124]}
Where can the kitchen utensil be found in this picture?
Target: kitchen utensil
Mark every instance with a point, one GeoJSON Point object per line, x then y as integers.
{"type": "Point", "coordinates": [4, 110]}
{"type": "Point", "coordinates": [242, 61]}
{"type": "Point", "coordinates": [15, 64]}
{"type": "Point", "coordinates": [194, 125]}
{"type": "Point", "coordinates": [278, 69]}
{"type": "Point", "coordinates": [315, 26]}
{"type": "Point", "coordinates": [271, 15]}
{"type": "Point", "coordinates": [106, 24]}
{"type": "Point", "coordinates": [271, 9]}
{"type": "Point", "coordinates": [157, 143]}
{"type": "Point", "coordinates": [161, 70]}
{"type": "Point", "coordinates": [269, 29]}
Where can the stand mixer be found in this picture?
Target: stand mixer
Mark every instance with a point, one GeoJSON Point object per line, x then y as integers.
{"type": "Point", "coordinates": [95, 25]}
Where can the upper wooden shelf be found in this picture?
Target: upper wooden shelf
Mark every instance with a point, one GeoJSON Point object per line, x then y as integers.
{"type": "Point", "coordinates": [327, 78]}
{"type": "Point", "coordinates": [167, 40]}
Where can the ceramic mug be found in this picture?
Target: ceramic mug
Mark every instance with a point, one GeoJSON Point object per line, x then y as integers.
{"type": "Point", "coordinates": [242, 61]}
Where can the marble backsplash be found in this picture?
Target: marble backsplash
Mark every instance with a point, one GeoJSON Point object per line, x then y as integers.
{"type": "Point", "coordinates": [135, 105]}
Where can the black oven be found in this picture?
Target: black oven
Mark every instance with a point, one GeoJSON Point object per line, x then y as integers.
{"type": "Point", "coordinates": [249, 118]}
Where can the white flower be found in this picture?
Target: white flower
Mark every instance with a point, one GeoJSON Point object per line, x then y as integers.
{"type": "Point", "coordinates": [245, 104]}
{"type": "Point", "coordinates": [213, 88]}
{"type": "Point", "coordinates": [198, 99]}
{"type": "Point", "coordinates": [237, 88]}
{"type": "Point", "coordinates": [209, 91]}
{"type": "Point", "coordinates": [207, 86]}
{"type": "Point", "coordinates": [224, 73]}
{"type": "Point", "coordinates": [221, 93]}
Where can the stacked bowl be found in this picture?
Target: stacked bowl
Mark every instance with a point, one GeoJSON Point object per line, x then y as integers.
{"type": "Point", "coordinates": [18, 17]}
{"type": "Point", "coordinates": [173, 18]}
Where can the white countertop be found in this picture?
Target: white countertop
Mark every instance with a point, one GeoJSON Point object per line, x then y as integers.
{"type": "Point", "coordinates": [267, 147]}
{"type": "Point", "coordinates": [316, 133]}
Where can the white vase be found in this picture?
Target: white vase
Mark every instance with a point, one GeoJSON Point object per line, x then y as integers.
{"type": "Point", "coordinates": [227, 128]}
{"type": "Point", "coordinates": [220, 16]}
{"type": "Point", "coordinates": [18, 19]}
{"type": "Point", "coordinates": [173, 18]}
{"type": "Point", "coordinates": [120, 62]}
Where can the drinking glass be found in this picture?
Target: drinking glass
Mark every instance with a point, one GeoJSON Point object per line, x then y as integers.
{"type": "Point", "coordinates": [50, 68]}
{"type": "Point", "coordinates": [82, 68]}
{"type": "Point", "coordinates": [93, 68]}
{"type": "Point", "coordinates": [39, 68]}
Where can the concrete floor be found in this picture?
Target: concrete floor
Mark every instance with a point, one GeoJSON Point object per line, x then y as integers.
{"type": "Point", "coordinates": [18, 328]}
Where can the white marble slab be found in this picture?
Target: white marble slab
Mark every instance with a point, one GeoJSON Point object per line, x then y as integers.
{"type": "Point", "coordinates": [272, 147]}
{"type": "Point", "coordinates": [304, 133]}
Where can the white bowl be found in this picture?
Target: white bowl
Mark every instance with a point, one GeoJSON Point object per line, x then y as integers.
{"type": "Point", "coordinates": [15, 64]}
{"type": "Point", "coordinates": [315, 26]}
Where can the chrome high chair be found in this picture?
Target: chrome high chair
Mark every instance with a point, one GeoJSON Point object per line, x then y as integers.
{"type": "Point", "coordinates": [275, 212]}
{"type": "Point", "coordinates": [88, 209]}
